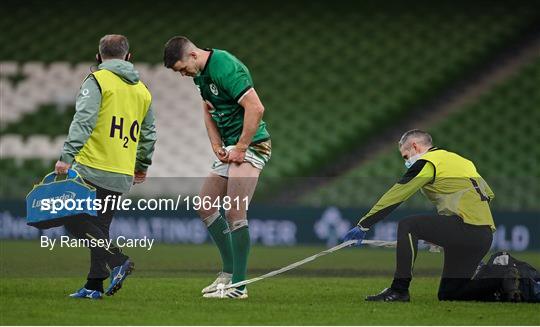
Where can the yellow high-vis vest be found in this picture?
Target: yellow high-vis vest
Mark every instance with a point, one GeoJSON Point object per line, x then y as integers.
{"type": "Point", "coordinates": [458, 188]}
{"type": "Point", "coordinates": [112, 146]}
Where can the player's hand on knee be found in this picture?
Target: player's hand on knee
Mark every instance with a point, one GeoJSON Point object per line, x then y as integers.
{"type": "Point", "coordinates": [139, 177]}
{"type": "Point", "coordinates": [61, 167]}
{"type": "Point", "coordinates": [237, 155]}
{"type": "Point", "coordinates": [355, 234]}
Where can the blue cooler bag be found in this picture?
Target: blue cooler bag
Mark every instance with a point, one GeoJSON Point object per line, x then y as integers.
{"type": "Point", "coordinates": [51, 188]}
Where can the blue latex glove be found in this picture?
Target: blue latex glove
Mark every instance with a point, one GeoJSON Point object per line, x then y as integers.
{"type": "Point", "coordinates": [355, 234]}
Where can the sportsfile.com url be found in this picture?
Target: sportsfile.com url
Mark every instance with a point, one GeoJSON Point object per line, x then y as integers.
{"type": "Point", "coordinates": [118, 203]}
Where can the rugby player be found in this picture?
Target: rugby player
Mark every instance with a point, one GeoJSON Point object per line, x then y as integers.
{"type": "Point", "coordinates": [233, 117]}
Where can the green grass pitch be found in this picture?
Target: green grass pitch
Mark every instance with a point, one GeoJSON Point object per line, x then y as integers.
{"type": "Point", "coordinates": [165, 290]}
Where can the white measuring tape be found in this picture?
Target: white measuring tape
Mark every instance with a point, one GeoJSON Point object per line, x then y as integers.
{"type": "Point", "coordinates": [293, 265]}
{"type": "Point", "coordinates": [376, 243]}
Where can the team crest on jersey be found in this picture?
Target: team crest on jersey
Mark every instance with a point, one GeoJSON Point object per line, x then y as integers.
{"type": "Point", "coordinates": [213, 89]}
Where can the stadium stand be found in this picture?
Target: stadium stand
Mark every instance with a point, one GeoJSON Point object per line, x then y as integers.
{"type": "Point", "coordinates": [499, 133]}
{"type": "Point", "coordinates": [325, 85]}
{"type": "Point", "coordinates": [38, 115]}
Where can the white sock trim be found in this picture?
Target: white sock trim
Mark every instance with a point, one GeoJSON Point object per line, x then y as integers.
{"type": "Point", "coordinates": [210, 219]}
{"type": "Point", "coordinates": [238, 224]}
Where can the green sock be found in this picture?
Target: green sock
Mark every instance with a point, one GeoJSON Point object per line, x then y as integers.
{"type": "Point", "coordinates": [240, 244]}
{"type": "Point", "coordinates": [223, 241]}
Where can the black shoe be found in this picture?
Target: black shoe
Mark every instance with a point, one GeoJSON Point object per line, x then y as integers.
{"type": "Point", "coordinates": [390, 295]}
{"type": "Point", "coordinates": [510, 286]}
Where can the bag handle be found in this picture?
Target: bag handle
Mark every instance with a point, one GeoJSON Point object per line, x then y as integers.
{"type": "Point", "coordinates": [53, 177]}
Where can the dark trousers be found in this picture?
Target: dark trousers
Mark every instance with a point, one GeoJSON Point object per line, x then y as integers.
{"type": "Point", "coordinates": [464, 247]}
{"type": "Point", "coordinates": [87, 227]}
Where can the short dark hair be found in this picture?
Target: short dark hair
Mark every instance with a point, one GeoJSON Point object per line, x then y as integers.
{"type": "Point", "coordinates": [423, 136]}
{"type": "Point", "coordinates": [176, 49]}
{"type": "Point", "coordinates": [113, 46]}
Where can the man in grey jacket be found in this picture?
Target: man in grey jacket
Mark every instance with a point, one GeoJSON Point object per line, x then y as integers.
{"type": "Point", "coordinates": [110, 144]}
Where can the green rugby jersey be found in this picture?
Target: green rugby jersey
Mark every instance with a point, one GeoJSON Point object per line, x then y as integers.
{"type": "Point", "coordinates": [222, 83]}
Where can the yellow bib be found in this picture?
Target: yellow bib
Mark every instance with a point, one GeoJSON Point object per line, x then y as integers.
{"type": "Point", "coordinates": [112, 146]}
{"type": "Point", "coordinates": [458, 188]}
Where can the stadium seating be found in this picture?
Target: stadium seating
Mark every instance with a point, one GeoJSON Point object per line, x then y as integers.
{"type": "Point", "coordinates": [39, 118]}
{"type": "Point", "coordinates": [499, 133]}
{"type": "Point", "coordinates": [328, 74]}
